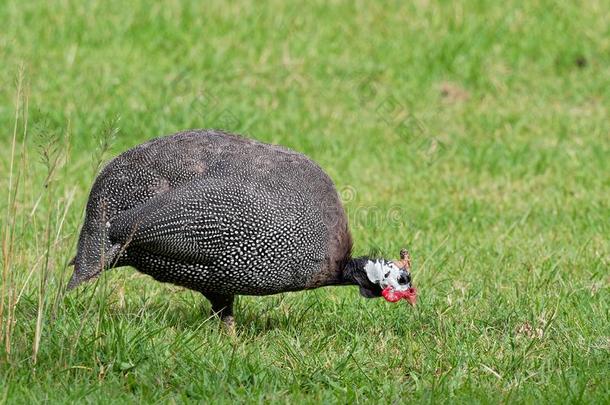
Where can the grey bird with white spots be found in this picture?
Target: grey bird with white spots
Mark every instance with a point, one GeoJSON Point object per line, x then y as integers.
{"type": "Point", "coordinates": [225, 215]}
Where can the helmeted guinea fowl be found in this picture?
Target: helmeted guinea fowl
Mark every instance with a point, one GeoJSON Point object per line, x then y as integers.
{"type": "Point", "coordinates": [226, 215]}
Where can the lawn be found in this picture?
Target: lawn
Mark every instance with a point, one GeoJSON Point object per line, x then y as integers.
{"type": "Point", "coordinates": [476, 133]}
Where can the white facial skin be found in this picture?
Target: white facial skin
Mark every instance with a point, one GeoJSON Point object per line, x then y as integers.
{"type": "Point", "coordinates": [385, 274]}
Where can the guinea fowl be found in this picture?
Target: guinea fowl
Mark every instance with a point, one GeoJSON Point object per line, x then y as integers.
{"type": "Point", "coordinates": [226, 215]}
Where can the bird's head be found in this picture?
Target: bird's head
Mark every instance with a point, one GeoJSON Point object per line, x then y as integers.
{"type": "Point", "coordinates": [386, 278]}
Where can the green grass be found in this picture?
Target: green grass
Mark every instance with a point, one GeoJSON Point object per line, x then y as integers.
{"type": "Point", "coordinates": [477, 134]}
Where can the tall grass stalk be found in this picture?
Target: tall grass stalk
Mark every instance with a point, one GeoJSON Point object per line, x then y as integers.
{"type": "Point", "coordinates": [8, 231]}
{"type": "Point", "coordinates": [41, 256]}
{"type": "Point", "coordinates": [52, 153]}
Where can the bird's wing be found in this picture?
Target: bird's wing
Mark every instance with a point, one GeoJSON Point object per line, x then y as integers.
{"type": "Point", "coordinates": [187, 224]}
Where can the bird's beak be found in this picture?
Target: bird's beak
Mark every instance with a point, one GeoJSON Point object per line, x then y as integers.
{"type": "Point", "coordinates": [411, 296]}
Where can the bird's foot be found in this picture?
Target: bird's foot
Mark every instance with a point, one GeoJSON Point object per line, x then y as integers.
{"type": "Point", "coordinates": [228, 322]}
{"type": "Point", "coordinates": [222, 306]}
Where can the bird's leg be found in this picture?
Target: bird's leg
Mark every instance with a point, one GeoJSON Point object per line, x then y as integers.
{"type": "Point", "coordinates": [222, 305]}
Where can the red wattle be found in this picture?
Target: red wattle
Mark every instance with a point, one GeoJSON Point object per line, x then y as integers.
{"type": "Point", "coordinates": [391, 295]}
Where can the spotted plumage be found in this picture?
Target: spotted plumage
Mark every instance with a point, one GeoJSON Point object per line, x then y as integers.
{"type": "Point", "coordinates": [220, 214]}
